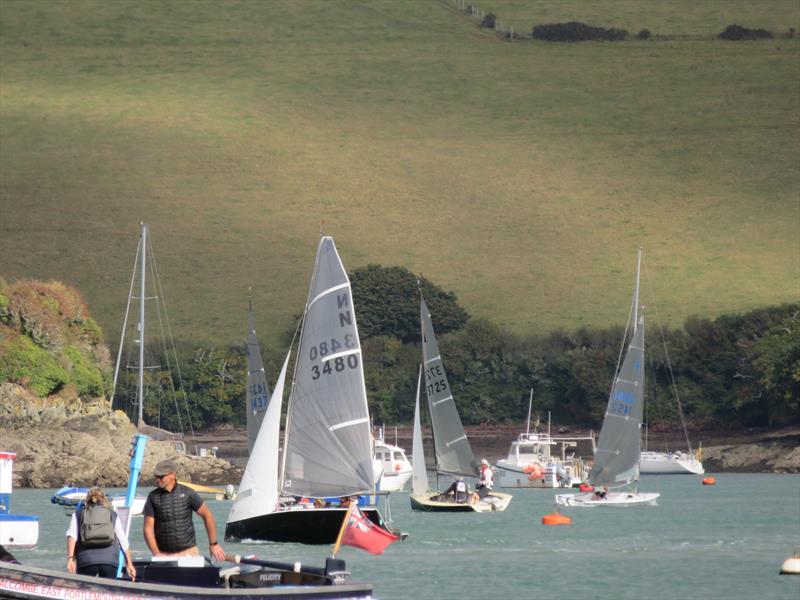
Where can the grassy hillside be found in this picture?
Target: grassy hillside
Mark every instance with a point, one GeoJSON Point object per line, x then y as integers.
{"type": "Point", "coordinates": [522, 176]}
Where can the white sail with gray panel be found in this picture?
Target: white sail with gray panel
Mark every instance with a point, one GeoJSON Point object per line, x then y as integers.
{"type": "Point", "coordinates": [328, 438]}
{"type": "Point", "coordinates": [453, 452]}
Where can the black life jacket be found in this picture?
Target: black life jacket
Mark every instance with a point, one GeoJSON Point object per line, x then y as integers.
{"type": "Point", "coordinates": [173, 518]}
{"type": "Point", "coordinates": [108, 555]}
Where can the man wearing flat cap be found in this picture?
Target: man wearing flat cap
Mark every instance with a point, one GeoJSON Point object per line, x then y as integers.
{"type": "Point", "coordinates": [168, 527]}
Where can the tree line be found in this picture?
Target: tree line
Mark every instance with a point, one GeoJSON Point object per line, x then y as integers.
{"type": "Point", "coordinates": [735, 371]}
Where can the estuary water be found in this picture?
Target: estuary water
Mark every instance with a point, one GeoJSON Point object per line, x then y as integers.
{"type": "Point", "coordinates": [723, 542]}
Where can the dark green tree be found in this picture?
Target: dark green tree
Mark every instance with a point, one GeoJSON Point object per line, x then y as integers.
{"type": "Point", "coordinates": [387, 303]}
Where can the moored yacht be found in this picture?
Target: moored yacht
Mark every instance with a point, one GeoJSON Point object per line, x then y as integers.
{"type": "Point", "coordinates": [670, 463]}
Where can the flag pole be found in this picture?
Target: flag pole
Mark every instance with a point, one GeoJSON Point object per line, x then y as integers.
{"type": "Point", "coordinates": [344, 526]}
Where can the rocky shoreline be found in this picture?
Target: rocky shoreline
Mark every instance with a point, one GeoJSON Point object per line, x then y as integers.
{"type": "Point", "coordinates": [66, 440]}
{"type": "Point", "coordinates": [69, 440]}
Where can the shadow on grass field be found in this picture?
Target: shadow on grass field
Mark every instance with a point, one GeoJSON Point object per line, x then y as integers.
{"type": "Point", "coordinates": [521, 176]}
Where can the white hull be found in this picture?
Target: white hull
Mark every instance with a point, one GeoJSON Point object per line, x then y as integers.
{"type": "Point", "coordinates": [394, 482]}
{"type": "Point", "coordinates": [510, 476]}
{"type": "Point", "coordinates": [116, 502]}
{"type": "Point", "coordinates": [21, 532]}
{"type": "Point", "coordinates": [393, 468]}
{"type": "Point", "coordinates": [659, 463]}
{"type": "Point", "coordinates": [612, 499]}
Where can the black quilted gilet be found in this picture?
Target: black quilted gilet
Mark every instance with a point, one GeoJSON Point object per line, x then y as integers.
{"type": "Point", "coordinates": [173, 518]}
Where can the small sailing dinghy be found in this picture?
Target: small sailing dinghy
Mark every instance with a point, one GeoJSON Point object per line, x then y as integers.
{"type": "Point", "coordinates": [616, 460]}
{"type": "Point", "coordinates": [328, 443]}
{"type": "Point", "coordinates": [452, 452]}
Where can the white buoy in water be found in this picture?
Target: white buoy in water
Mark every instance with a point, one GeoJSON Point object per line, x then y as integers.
{"type": "Point", "coordinates": [791, 566]}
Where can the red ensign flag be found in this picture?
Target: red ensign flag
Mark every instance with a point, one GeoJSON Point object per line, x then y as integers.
{"type": "Point", "coordinates": [363, 533]}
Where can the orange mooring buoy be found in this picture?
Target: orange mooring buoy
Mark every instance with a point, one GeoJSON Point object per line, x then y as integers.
{"type": "Point", "coordinates": [709, 481]}
{"type": "Point", "coordinates": [556, 519]}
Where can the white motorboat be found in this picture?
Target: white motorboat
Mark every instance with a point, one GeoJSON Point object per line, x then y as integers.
{"type": "Point", "coordinates": [531, 462]}
{"type": "Point", "coordinates": [539, 460]}
{"type": "Point", "coordinates": [395, 467]}
{"type": "Point", "coordinates": [616, 460]}
{"type": "Point", "coordinates": [670, 463]}
{"type": "Point", "coordinates": [15, 530]}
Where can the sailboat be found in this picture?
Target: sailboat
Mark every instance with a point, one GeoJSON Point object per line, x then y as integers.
{"type": "Point", "coordinates": [257, 387]}
{"type": "Point", "coordinates": [145, 267]}
{"type": "Point", "coordinates": [452, 452]}
{"type": "Point", "coordinates": [616, 461]}
{"type": "Point", "coordinates": [328, 453]}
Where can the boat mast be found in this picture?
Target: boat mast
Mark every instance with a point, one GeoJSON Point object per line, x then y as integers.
{"type": "Point", "coordinates": [140, 384]}
{"type": "Point", "coordinates": [636, 290]}
{"type": "Point", "coordinates": [530, 404]}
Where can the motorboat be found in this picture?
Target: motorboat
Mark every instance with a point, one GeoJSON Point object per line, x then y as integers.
{"type": "Point", "coordinates": [395, 467]}
{"type": "Point", "coordinates": [538, 460]}
{"type": "Point", "coordinates": [15, 530]}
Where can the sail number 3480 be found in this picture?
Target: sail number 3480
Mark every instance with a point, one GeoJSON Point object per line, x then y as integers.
{"type": "Point", "coordinates": [337, 365]}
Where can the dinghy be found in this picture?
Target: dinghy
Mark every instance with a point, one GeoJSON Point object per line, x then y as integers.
{"type": "Point", "coordinates": [250, 579]}
{"type": "Point", "coordinates": [328, 442]}
{"type": "Point", "coordinates": [451, 450]}
{"type": "Point", "coordinates": [616, 461]}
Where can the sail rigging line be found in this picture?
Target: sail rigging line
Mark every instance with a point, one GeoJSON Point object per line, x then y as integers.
{"type": "Point", "coordinates": [125, 322]}
{"type": "Point", "coordinates": [673, 385]}
{"type": "Point", "coordinates": [161, 307]}
{"type": "Point", "coordinates": [443, 400]}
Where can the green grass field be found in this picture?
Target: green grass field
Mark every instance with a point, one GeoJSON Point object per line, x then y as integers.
{"type": "Point", "coordinates": [520, 175]}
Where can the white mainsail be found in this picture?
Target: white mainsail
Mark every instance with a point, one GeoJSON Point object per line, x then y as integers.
{"type": "Point", "coordinates": [419, 475]}
{"type": "Point", "coordinates": [453, 452]}
{"type": "Point", "coordinates": [258, 491]}
{"type": "Point", "coordinates": [257, 387]}
{"type": "Point", "coordinates": [328, 438]}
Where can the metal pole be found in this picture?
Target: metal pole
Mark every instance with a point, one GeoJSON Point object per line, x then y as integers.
{"type": "Point", "coordinates": [140, 387]}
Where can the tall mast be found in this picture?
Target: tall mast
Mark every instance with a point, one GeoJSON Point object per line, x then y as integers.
{"type": "Point", "coordinates": [636, 292]}
{"type": "Point", "coordinates": [530, 404]}
{"type": "Point", "coordinates": [140, 385]}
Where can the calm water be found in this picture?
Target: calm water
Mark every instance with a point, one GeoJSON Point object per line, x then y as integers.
{"type": "Point", "coordinates": [725, 542]}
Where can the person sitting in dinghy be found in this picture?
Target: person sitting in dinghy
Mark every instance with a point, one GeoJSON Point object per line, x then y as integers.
{"type": "Point", "coordinates": [95, 537]}
{"type": "Point", "coordinates": [485, 483]}
{"type": "Point", "coordinates": [458, 491]}
{"type": "Point", "coordinates": [600, 493]}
